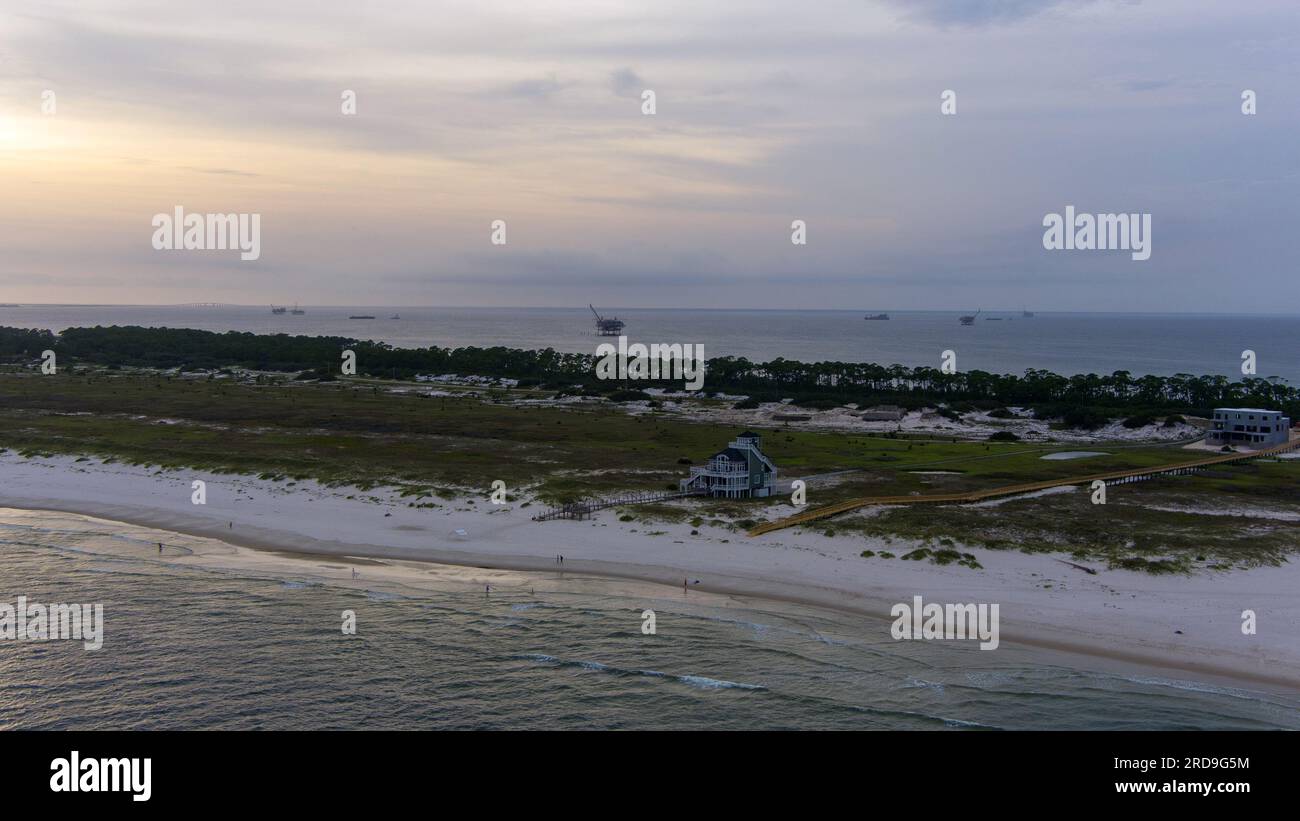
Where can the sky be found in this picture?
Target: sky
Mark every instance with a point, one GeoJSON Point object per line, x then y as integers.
{"type": "Point", "coordinates": [765, 113]}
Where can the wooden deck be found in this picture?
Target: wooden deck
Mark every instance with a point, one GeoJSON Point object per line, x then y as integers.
{"type": "Point", "coordinates": [1116, 478]}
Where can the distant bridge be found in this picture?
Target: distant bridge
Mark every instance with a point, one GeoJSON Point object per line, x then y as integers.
{"type": "Point", "coordinates": [1116, 478]}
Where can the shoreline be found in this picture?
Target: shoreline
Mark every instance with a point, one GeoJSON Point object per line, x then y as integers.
{"type": "Point", "coordinates": [1077, 615]}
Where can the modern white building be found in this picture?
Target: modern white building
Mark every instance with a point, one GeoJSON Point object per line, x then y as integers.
{"type": "Point", "coordinates": [738, 471]}
{"type": "Point", "coordinates": [1249, 426]}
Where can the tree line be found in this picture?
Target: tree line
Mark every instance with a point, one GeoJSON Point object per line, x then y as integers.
{"type": "Point", "coordinates": [808, 384]}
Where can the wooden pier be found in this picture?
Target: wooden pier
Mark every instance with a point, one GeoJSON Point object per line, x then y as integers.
{"type": "Point", "coordinates": [583, 510]}
{"type": "Point", "coordinates": [1116, 478]}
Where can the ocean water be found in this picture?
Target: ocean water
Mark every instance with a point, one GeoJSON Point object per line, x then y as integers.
{"type": "Point", "coordinates": [1065, 343]}
{"type": "Point", "coordinates": [240, 646]}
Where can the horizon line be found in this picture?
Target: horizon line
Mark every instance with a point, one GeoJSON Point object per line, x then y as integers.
{"type": "Point", "coordinates": [629, 308]}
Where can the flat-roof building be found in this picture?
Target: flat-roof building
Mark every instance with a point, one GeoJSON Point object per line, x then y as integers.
{"type": "Point", "coordinates": [1254, 427]}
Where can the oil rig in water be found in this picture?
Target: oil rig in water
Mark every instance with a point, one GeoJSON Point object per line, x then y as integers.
{"type": "Point", "coordinates": [611, 326]}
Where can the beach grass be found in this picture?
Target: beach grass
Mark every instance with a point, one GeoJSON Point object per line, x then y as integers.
{"type": "Point", "coordinates": [369, 433]}
{"type": "Point", "coordinates": [363, 431]}
{"type": "Point", "coordinates": [1167, 524]}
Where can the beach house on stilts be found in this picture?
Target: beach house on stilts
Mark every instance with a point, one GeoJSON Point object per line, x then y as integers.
{"type": "Point", "coordinates": [740, 470]}
{"type": "Point", "coordinates": [1251, 427]}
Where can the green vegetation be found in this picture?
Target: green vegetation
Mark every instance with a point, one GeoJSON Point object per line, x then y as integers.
{"type": "Point", "coordinates": [940, 555]}
{"type": "Point", "coordinates": [356, 430]}
{"type": "Point", "coordinates": [1139, 421]}
{"type": "Point", "coordinates": [1152, 526]}
{"type": "Point", "coordinates": [368, 433]}
{"type": "Point", "coordinates": [1082, 400]}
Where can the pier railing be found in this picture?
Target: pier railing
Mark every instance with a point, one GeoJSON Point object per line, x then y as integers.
{"type": "Point", "coordinates": [584, 509]}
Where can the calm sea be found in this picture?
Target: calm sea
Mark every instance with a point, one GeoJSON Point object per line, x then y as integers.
{"type": "Point", "coordinates": [191, 647]}
{"type": "Point", "coordinates": [1065, 343]}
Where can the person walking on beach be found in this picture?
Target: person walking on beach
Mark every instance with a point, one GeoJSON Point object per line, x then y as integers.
{"type": "Point", "coordinates": [160, 548]}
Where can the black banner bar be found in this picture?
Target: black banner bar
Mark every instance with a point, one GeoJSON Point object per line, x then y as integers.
{"type": "Point", "coordinates": [336, 770]}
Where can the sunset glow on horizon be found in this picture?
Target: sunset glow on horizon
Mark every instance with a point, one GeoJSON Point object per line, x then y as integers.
{"type": "Point", "coordinates": [468, 113]}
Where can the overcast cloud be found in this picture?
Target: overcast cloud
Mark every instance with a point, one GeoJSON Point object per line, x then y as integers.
{"type": "Point", "coordinates": [767, 112]}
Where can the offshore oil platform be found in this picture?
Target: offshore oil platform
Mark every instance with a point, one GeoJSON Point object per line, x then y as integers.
{"type": "Point", "coordinates": [607, 326]}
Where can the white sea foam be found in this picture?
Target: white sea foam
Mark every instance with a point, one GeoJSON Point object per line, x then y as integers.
{"type": "Point", "coordinates": [715, 684]}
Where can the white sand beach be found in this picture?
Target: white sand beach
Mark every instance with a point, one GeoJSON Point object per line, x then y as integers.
{"type": "Point", "coordinates": [1190, 624]}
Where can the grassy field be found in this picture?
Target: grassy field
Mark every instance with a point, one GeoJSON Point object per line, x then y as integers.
{"type": "Point", "coordinates": [1155, 525]}
{"type": "Point", "coordinates": [364, 432]}
{"type": "Point", "coordinates": [371, 433]}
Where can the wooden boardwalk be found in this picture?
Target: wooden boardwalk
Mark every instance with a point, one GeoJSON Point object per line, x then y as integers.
{"type": "Point", "coordinates": [1116, 478]}
{"type": "Point", "coordinates": [583, 510]}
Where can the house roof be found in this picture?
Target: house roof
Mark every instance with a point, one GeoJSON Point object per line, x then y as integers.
{"type": "Point", "coordinates": [732, 455]}
{"type": "Point", "coordinates": [749, 434]}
